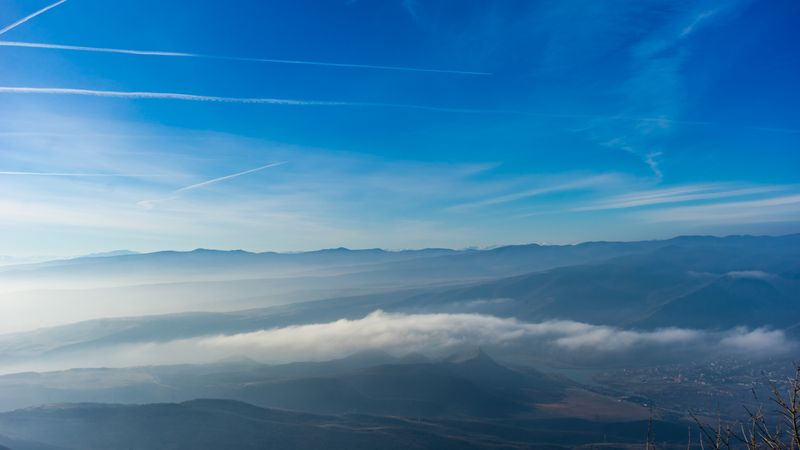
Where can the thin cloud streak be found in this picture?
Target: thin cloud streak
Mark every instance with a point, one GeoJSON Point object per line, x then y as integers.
{"type": "Point", "coordinates": [584, 183]}
{"type": "Point", "coordinates": [29, 17]}
{"type": "Point", "coordinates": [144, 95]}
{"type": "Point", "coordinates": [80, 48]}
{"type": "Point", "coordinates": [227, 177]}
{"type": "Point", "coordinates": [163, 96]}
{"type": "Point", "coordinates": [676, 195]}
{"type": "Point", "coordinates": [176, 193]}
{"type": "Point", "coordinates": [785, 208]}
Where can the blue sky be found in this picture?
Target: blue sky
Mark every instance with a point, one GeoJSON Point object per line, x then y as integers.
{"type": "Point", "coordinates": [394, 124]}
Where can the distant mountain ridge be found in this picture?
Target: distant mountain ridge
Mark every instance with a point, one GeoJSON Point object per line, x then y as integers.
{"type": "Point", "coordinates": [691, 282]}
{"type": "Point", "coordinates": [471, 384]}
{"type": "Point", "coordinates": [342, 255]}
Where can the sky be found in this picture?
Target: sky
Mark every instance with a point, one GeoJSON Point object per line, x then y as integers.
{"type": "Point", "coordinates": [297, 125]}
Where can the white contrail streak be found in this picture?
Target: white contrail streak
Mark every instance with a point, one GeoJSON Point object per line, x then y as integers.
{"type": "Point", "coordinates": [163, 96]}
{"type": "Point", "coordinates": [29, 17]}
{"type": "Point", "coordinates": [277, 101]}
{"type": "Point", "coordinates": [226, 177]}
{"type": "Point", "coordinates": [79, 48]}
{"type": "Point", "coordinates": [251, 100]}
{"type": "Point", "coordinates": [136, 95]}
{"type": "Point", "coordinates": [176, 193]}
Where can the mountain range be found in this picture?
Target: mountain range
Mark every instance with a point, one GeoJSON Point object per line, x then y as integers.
{"type": "Point", "coordinates": [57, 313]}
{"type": "Point", "coordinates": [691, 282]}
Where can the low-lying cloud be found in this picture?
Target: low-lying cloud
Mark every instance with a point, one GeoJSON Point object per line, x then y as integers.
{"type": "Point", "coordinates": [435, 334]}
{"type": "Point", "coordinates": [441, 332]}
{"type": "Point", "coordinates": [758, 340]}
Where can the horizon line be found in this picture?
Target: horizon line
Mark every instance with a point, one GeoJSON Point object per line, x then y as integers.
{"type": "Point", "coordinates": [99, 254]}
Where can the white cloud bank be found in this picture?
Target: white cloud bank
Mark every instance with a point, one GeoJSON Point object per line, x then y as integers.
{"type": "Point", "coordinates": [426, 333]}
{"type": "Point", "coordinates": [758, 340]}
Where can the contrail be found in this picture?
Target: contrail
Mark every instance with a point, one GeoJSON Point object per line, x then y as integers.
{"type": "Point", "coordinates": [163, 96]}
{"type": "Point", "coordinates": [276, 101]}
{"type": "Point", "coordinates": [251, 100]}
{"type": "Point", "coordinates": [144, 95]}
{"type": "Point", "coordinates": [79, 48]}
{"type": "Point", "coordinates": [226, 177]}
{"type": "Point", "coordinates": [29, 17]}
{"type": "Point", "coordinates": [174, 194]}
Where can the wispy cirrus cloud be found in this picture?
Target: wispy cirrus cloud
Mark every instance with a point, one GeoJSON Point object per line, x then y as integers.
{"type": "Point", "coordinates": [697, 21]}
{"type": "Point", "coordinates": [678, 194]}
{"type": "Point", "coordinates": [19, 22]}
{"type": "Point", "coordinates": [578, 182]}
{"type": "Point", "coordinates": [304, 205]}
{"type": "Point", "coordinates": [651, 159]}
{"type": "Point", "coordinates": [655, 86]}
{"type": "Point", "coordinates": [782, 208]}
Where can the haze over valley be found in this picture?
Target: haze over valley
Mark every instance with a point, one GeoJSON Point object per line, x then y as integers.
{"type": "Point", "coordinates": [399, 224]}
{"type": "Point", "coordinates": [527, 333]}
